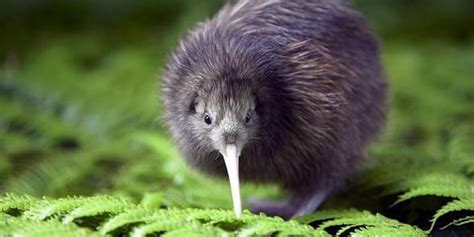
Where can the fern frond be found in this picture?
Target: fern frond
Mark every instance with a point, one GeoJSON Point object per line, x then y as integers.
{"type": "Point", "coordinates": [163, 219]}
{"type": "Point", "coordinates": [171, 225]}
{"type": "Point", "coordinates": [277, 226]}
{"type": "Point", "coordinates": [461, 147]}
{"type": "Point", "coordinates": [195, 230]}
{"type": "Point", "coordinates": [364, 221]}
{"type": "Point", "coordinates": [151, 221]}
{"type": "Point", "coordinates": [406, 230]}
{"type": "Point", "coordinates": [438, 184]}
{"type": "Point", "coordinates": [47, 208]}
{"type": "Point", "coordinates": [465, 204]}
{"type": "Point", "coordinates": [397, 165]}
{"type": "Point", "coordinates": [100, 205]}
{"type": "Point", "coordinates": [326, 215]}
{"type": "Point", "coordinates": [460, 221]}
{"type": "Point", "coordinates": [19, 202]}
{"type": "Point", "coordinates": [32, 228]}
{"type": "Point", "coordinates": [137, 215]}
{"type": "Point", "coordinates": [363, 218]}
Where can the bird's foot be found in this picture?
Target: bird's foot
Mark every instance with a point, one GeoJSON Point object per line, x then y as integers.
{"type": "Point", "coordinates": [272, 208]}
{"type": "Point", "coordinates": [297, 205]}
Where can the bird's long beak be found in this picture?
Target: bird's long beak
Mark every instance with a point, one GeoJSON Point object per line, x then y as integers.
{"type": "Point", "coordinates": [231, 159]}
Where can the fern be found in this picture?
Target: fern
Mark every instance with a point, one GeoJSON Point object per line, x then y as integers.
{"type": "Point", "coordinates": [461, 149]}
{"type": "Point", "coordinates": [194, 230]}
{"type": "Point", "coordinates": [463, 204]}
{"type": "Point", "coordinates": [21, 203]}
{"type": "Point", "coordinates": [138, 215]}
{"type": "Point", "coordinates": [460, 221]}
{"type": "Point", "coordinates": [174, 219]}
{"type": "Point", "coordinates": [361, 223]}
{"type": "Point", "coordinates": [453, 185]}
{"type": "Point", "coordinates": [439, 184]}
{"type": "Point", "coordinates": [118, 214]}
{"type": "Point", "coordinates": [406, 230]}
{"type": "Point", "coordinates": [31, 228]}
{"type": "Point", "coordinates": [291, 228]}
{"type": "Point", "coordinates": [94, 207]}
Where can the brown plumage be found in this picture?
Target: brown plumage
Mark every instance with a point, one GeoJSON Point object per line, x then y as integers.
{"type": "Point", "coordinates": [296, 85]}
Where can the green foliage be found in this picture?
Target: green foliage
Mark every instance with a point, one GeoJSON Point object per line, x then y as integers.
{"type": "Point", "coordinates": [30, 228]}
{"type": "Point", "coordinates": [103, 215]}
{"type": "Point", "coordinates": [463, 204]}
{"type": "Point", "coordinates": [362, 223]}
{"type": "Point", "coordinates": [82, 146]}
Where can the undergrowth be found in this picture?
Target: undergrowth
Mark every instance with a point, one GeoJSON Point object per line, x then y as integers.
{"type": "Point", "coordinates": [83, 152]}
{"type": "Point", "coordinates": [103, 215]}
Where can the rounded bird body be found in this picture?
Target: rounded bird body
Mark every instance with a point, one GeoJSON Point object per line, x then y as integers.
{"type": "Point", "coordinates": [296, 86]}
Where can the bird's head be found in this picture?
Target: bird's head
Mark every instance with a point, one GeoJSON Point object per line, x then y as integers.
{"type": "Point", "coordinates": [224, 114]}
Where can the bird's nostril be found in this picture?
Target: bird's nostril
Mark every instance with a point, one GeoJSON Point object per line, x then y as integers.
{"type": "Point", "coordinates": [230, 137]}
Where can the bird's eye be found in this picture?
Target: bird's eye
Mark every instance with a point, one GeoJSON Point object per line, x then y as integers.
{"type": "Point", "coordinates": [247, 118]}
{"type": "Point", "coordinates": [207, 119]}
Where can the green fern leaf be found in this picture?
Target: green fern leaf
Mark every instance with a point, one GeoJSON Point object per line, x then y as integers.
{"type": "Point", "coordinates": [253, 224]}
{"type": "Point", "coordinates": [170, 225]}
{"type": "Point", "coordinates": [263, 227]}
{"type": "Point", "coordinates": [100, 205]}
{"type": "Point", "coordinates": [13, 201]}
{"type": "Point", "coordinates": [377, 231]}
{"type": "Point", "coordinates": [460, 221]}
{"type": "Point", "coordinates": [438, 184]}
{"type": "Point", "coordinates": [138, 215]}
{"type": "Point", "coordinates": [47, 208]}
{"type": "Point", "coordinates": [32, 228]}
{"type": "Point", "coordinates": [465, 204]}
{"type": "Point", "coordinates": [355, 220]}
{"type": "Point", "coordinates": [326, 215]}
{"type": "Point", "coordinates": [196, 230]}
{"type": "Point", "coordinates": [461, 149]}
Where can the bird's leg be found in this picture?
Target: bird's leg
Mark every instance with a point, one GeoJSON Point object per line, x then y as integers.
{"type": "Point", "coordinates": [271, 208]}
{"type": "Point", "coordinates": [298, 204]}
{"type": "Point", "coordinates": [310, 202]}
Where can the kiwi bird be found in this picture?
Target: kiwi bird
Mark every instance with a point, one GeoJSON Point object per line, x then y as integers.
{"type": "Point", "coordinates": [277, 91]}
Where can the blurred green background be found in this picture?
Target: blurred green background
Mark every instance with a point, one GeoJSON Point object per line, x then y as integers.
{"type": "Point", "coordinates": [79, 107]}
